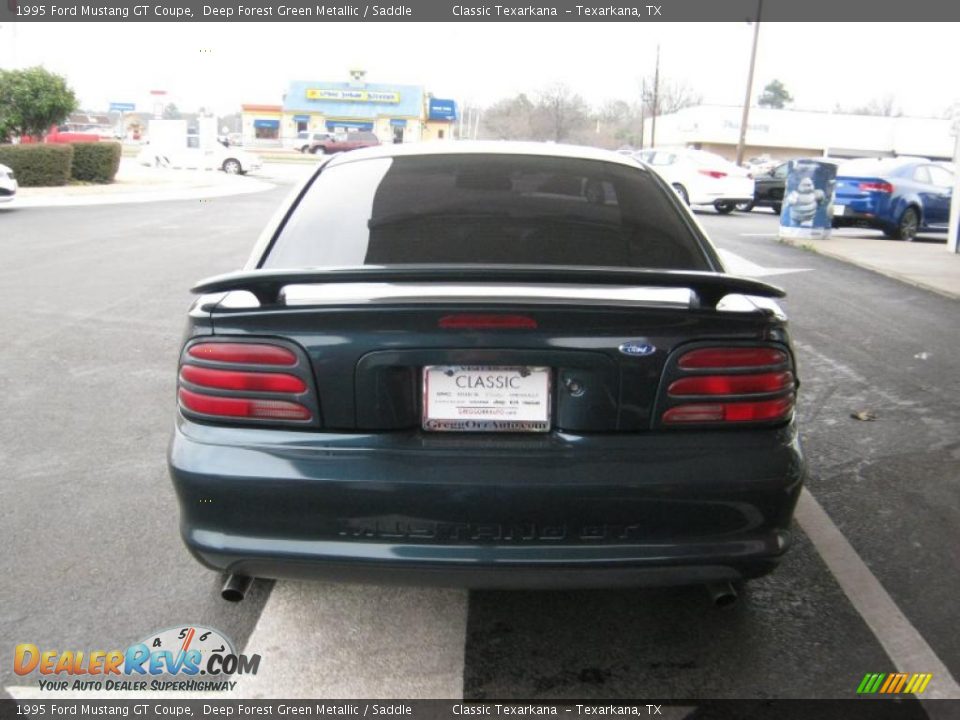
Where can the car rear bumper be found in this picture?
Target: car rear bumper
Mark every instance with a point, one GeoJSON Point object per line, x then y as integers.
{"type": "Point", "coordinates": [553, 511]}
{"type": "Point", "coordinates": [855, 216]}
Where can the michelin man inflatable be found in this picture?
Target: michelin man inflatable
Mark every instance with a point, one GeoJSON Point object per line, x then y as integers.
{"type": "Point", "coordinates": [804, 202]}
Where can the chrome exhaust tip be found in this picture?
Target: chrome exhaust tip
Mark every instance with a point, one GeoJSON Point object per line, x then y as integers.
{"type": "Point", "coordinates": [235, 588]}
{"type": "Point", "coordinates": [722, 594]}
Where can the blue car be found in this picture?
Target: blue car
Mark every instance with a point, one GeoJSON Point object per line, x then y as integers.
{"type": "Point", "coordinates": [899, 196]}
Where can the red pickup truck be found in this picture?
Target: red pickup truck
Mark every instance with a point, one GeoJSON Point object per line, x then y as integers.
{"type": "Point", "coordinates": [342, 143]}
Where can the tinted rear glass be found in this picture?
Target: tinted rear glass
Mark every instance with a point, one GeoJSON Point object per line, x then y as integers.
{"type": "Point", "coordinates": [485, 209]}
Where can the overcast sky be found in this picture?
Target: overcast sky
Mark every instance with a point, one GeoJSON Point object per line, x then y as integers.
{"type": "Point", "coordinates": [821, 64]}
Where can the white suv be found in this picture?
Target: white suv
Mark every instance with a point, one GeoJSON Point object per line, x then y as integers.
{"type": "Point", "coordinates": [305, 139]}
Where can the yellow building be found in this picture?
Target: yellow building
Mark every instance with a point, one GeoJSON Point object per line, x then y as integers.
{"type": "Point", "coordinates": [394, 113]}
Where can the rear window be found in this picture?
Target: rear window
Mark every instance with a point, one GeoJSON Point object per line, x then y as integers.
{"type": "Point", "coordinates": [485, 209]}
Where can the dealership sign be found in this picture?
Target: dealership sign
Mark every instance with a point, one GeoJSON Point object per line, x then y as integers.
{"type": "Point", "coordinates": [371, 96]}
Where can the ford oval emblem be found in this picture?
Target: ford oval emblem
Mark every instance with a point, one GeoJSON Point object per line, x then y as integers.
{"type": "Point", "coordinates": [636, 348]}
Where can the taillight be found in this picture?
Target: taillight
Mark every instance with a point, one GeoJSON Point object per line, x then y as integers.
{"type": "Point", "coordinates": [243, 407]}
{"type": "Point", "coordinates": [746, 357]}
{"type": "Point", "coordinates": [235, 380]}
{"type": "Point", "coordinates": [755, 411]}
{"type": "Point", "coordinates": [883, 187]}
{"type": "Point", "coordinates": [729, 385]}
{"type": "Point", "coordinates": [715, 174]}
{"type": "Point", "coordinates": [245, 353]}
{"type": "Point", "coordinates": [246, 381]}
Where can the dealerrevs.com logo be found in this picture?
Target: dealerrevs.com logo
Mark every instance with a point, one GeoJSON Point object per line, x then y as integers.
{"type": "Point", "coordinates": [170, 660]}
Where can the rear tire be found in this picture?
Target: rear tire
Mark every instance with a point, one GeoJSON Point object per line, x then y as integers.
{"type": "Point", "coordinates": [232, 167]}
{"type": "Point", "coordinates": [907, 226]}
{"type": "Point", "coordinates": [682, 192]}
{"type": "Point", "coordinates": [724, 208]}
{"type": "Point", "coordinates": [745, 207]}
{"type": "Point", "coordinates": [777, 207]}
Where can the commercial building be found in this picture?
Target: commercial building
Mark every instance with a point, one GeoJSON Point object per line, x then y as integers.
{"type": "Point", "coordinates": [395, 113]}
{"type": "Point", "coordinates": [784, 134]}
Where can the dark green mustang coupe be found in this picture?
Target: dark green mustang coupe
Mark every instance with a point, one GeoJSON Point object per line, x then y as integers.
{"type": "Point", "coordinates": [486, 365]}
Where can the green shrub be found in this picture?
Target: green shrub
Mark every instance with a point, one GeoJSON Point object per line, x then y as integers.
{"type": "Point", "coordinates": [38, 165]}
{"type": "Point", "coordinates": [96, 161]}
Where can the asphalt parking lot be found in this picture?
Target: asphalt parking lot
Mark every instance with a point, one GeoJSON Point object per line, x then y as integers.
{"type": "Point", "coordinates": [94, 299]}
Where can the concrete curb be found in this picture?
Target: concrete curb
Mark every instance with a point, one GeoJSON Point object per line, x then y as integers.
{"type": "Point", "coordinates": [830, 252]}
{"type": "Point", "coordinates": [160, 195]}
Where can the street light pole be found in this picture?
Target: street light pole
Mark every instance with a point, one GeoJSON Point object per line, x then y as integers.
{"type": "Point", "coordinates": [746, 100]}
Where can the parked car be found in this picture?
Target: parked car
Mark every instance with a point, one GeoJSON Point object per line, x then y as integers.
{"type": "Point", "coordinates": [8, 185]}
{"type": "Point", "coordinates": [231, 160]}
{"type": "Point", "coordinates": [486, 364]}
{"type": "Point", "coordinates": [899, 196]}
{"type": "Point", "coordinates": [768, 189]}
{"type": "Point", "coordinates": [342, 143]}
{"type": "Point", "coordinates": [304, 140]}
{"type": "Point", "coordinates": [701, 178]}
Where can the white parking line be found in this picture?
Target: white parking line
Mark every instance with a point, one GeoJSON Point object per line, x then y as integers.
{"type": "Point", "coordinates": [903, 643]}
{"type": "Point", "coordinates": [739, 265]}
{"type": "Point", "coordinates": [325, 640]}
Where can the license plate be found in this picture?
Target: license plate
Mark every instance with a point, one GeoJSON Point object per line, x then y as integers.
{"type": "Point", "coordinates": [474, 398]}
{"type": "Point", "coordinates": [839, 209]}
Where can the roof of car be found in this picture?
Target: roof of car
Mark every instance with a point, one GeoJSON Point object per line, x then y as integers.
{"type": "Point", "coordinates": [485, 147]}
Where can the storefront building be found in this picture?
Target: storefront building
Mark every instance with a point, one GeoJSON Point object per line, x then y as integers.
{"type": "Point", "coordinates": [394, 113]}
{"type": "Point", "coordinates": [261, 124]}
{"type": "Point", "coordinates": [784, 134]}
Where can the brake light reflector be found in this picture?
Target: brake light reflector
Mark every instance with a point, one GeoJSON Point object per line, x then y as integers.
{"type": "Point", "coordinates": [243, 407]}
{"type": "Point", "coordinates": [243, 353]}
{"type": "Point", "coordinates": [880, 186]}
{"type": "Point", "coordinates": [731, 384]}
{"type": "Point", "coordinates": [732, 357]}
{"type": "Point", "coordinates": [466, 321]}
{"type": "Point", "coordinates": [715, 174]}
{"type": "Point", "coordinates": [237, 380]}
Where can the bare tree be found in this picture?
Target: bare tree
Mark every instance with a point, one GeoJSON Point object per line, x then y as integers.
{"type": "Point", "coordinates": [672, 95]}
{"type": "Point", "coordinates": [509, 119]}
{"type": "Point", "coordinates": [560, 114]}
{"type": "Point", "coordinates": [618, 123]}
{"type": "Point", "coordinates": [883, 106]}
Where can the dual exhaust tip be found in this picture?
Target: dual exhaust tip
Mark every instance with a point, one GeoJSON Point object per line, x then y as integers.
{"type": "Point", "coordinates": [722, 594]}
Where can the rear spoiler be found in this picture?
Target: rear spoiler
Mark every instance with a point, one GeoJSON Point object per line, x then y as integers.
{"type": "Point", "coordinates": [709, 287]}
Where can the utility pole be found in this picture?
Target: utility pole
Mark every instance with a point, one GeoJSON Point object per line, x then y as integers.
{"type": "Point", "coordinates": [746, 101]}
{"type": "Point", "coordinates": [656, 100]}
{"type": "Point", "coordinates": [643, 110]}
